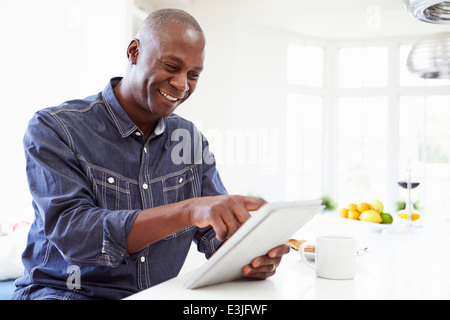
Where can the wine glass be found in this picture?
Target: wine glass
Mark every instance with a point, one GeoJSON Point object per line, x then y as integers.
{"type": "Point", "coordinates": [408, 184]}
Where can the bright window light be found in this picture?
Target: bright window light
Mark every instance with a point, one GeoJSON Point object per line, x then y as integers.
{"type": "Point", "coordinates": [362, 159]}
{"type": "Point", "coordinates": [304, 146]}
{"type": "Point", "coordinates": [425, 142]}
{"type": "Point", "coordinates": [363, 67]}
{"type": "Point", "coordinates": [305, 65]}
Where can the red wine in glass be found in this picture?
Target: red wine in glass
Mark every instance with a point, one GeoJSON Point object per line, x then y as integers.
{"type": "Point", "coordinates": [404, 184]}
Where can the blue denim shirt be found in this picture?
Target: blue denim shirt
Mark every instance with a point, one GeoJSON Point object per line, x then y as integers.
{"type": "Point", "coordinates": [90, 174]}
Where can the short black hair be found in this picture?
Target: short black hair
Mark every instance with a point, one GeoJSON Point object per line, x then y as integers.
{"type": "Point", "coordinates": [155, 22]}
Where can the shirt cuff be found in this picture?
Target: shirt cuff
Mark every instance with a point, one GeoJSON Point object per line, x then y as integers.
{"type": "Point", "coordinates": [116, 228]}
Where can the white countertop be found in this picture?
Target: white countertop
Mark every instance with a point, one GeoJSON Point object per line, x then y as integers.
{"type": "Point", "coordinates": [411, 264]}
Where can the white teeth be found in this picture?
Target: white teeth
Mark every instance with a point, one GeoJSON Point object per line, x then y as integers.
{"type": "Point", "coordinates": [168, 97]}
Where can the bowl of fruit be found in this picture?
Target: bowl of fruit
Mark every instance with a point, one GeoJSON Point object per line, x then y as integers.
{"type": "Point", "coordinates": [372, 212]}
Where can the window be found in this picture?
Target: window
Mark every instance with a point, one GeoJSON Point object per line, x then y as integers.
{"type": "Point", "coordinates": [363, 67]}
{"type": "Point", "coordinates": [418, 134]}
{"type": "Point", "coordinates": [362, 124]}
{"type": "Point", "coordinates": [362, 148]}
{"type": "Point", "coordinates": [371, 122]}
{"type": "Point", "coordinates": [305, 65]}
{"type": "Point", "coordinates": [424, 135]}
{"type": "Point", "coordinates": [304, 146]}
{"type": "Point", "coordinates": [304, 118]}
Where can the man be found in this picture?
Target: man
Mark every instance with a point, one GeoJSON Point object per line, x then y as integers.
{"type": "Point", "coordinates": [121, 186]}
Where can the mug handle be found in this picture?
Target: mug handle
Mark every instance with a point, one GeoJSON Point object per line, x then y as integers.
{"type": "Point", "coordinates": [302, 254]}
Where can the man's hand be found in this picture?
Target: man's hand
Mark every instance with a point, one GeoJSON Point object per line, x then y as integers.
{"type": "Point", "coordinates": [224, 213]}
{"type": "Point", "coordinates": [265, 266]}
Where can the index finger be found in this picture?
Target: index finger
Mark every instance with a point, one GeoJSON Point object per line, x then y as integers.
{"type": "Point", "coordinates": [246, 204]}
{"type": "Point", "coordinates": [253, 203]}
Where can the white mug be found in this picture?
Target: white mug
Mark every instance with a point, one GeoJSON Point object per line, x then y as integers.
{"type": "Point", "coordinates": [335, 257]}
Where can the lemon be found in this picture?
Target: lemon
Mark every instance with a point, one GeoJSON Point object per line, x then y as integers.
{"type": "Point", "coordinates": [414, 216]}
{"type": "Point", "coordinates": [371, 216]}
{"type": "Point", "coordinates": [387, 218]}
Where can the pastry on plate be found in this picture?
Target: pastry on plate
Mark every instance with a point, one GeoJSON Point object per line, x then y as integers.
{"type": "Point", "coordinates": [295, 244]}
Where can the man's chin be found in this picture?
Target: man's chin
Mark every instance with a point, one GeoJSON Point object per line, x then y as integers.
{"type": "Point", "coordinates": [163, 112]}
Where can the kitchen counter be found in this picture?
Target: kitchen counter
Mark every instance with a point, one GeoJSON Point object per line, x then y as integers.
{"type": "Point", "coordinates": [402, 262]}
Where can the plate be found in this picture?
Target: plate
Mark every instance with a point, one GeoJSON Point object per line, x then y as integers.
{"type": "Point", "coordinates": [359, 224]}
{"type": "Point", "coordinates": [311, 256]}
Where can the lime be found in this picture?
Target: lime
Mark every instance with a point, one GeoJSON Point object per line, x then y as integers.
{"type": "Point", "coordinates": [387, 218]}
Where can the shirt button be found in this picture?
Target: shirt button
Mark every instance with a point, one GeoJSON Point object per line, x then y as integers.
{"type": "Point", "coordinates": [145, 186]}
{"type": "Point", "coordinates": [111, 180]}
{"type": "Point", "coordinates": [137, 133]}
{"type": "Point", "coordinates": [145, 150]}
{"type": "Point", "coordinates": [180, 180]}
{"type": "Point", "coordinates": [142, 259]}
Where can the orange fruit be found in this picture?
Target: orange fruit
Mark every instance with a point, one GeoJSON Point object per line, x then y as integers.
{"type": "Point", "coordinates": [353, 214]}
{"type": "Point", "coordinates": [364, 206]}
{"type": "Point", "coordinates": [352, 207]}
{"type": "Point", "coordinates": [343, 213]}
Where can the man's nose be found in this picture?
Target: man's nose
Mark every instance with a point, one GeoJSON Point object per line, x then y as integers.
{"type": "Point", "coordinates": [180, 82]}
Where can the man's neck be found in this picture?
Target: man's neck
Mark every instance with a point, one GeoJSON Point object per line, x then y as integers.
{"type": "Point", "coordinates": [140, 118]}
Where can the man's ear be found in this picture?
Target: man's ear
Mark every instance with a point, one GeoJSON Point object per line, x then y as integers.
{"type": "Point", "coordinates": [133, 51]}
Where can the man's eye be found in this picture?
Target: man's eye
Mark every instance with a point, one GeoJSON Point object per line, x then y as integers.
{"type": "Point", "coordinates": [170, 66]}
{"type": "Point", "coordinates": [194, 75]}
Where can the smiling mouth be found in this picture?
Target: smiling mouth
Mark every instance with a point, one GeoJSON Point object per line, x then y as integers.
{"type": "Point", "coordinates": [168, 96]}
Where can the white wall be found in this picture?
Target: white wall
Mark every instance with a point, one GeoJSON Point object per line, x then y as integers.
{"type": "Point", "coordinates": [52, 51]}
{"type": "Point", "coordinates": [240, 100]}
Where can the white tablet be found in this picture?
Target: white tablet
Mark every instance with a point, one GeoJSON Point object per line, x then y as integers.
{"type": "Point", "coordinates": [272, 225]}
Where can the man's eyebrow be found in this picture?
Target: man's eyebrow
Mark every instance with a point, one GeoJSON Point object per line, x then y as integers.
{"type": "Point", "coordinates": [180, 61]}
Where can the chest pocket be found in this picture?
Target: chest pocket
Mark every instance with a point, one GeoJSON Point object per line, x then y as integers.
{"type": "Point", "coordinates": [112, 190]}
{"type": "Point", "coordinates": [181, 185]}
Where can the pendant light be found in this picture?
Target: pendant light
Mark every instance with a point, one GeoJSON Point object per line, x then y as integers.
{"type": "Point", "coordinates": [430, 57]}
{"type": "Point", "coordinates": [433, 11]}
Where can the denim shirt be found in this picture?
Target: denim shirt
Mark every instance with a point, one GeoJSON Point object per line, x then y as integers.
{"type": "Point", "coordinates": [90, 174]}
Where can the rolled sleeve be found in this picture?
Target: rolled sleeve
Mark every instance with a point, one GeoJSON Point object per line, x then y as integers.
{"type": "Point", "coordinates": [116, 227]}
{"type": "Point", "coordinates": [207, 241]}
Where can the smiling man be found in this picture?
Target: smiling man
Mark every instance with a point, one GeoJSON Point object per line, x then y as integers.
{"type": "Point", "coordinates": [166, 59]}
{"type": "Point", "coordinates": [114, 213]}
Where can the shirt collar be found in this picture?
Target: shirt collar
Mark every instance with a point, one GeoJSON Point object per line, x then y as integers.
{"type": "Point", "coordinates": [123, 122]}
{"type": "Point", "coordinates": [160, 126]}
